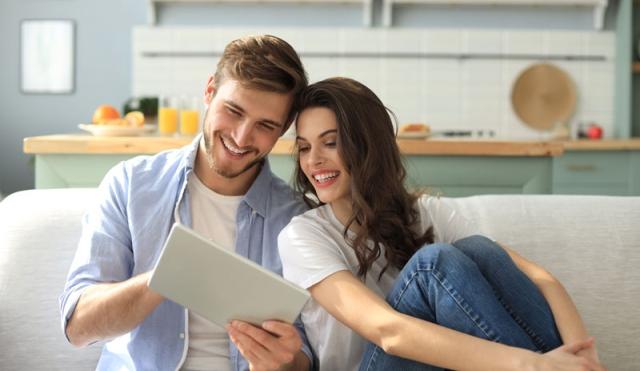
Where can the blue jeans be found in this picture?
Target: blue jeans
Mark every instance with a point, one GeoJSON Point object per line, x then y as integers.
{"type": "Point", "coordinates": [474, 287]}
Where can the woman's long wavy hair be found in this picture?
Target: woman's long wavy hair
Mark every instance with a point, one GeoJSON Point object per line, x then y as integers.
{"type": "Point", "coordinates": [382, 209]}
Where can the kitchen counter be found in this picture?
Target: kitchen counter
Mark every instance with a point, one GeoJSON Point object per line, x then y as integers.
{"type": "Point", "coordinates": [602, 144]}
{"type": "Point", "coordinates": [87, 144]}
{"type": "Point", "coordinates": [450, 166]}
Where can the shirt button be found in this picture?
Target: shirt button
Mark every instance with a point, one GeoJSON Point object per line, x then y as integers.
{"type": "Point", "coordinates": [181, 335]}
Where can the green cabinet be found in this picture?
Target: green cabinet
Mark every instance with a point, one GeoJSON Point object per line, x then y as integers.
{"type": "Point", "coordinates": [612, 173]}
{"type": "Point", "coordinates": [73, 170]}
{"type": "Point", "coordinates": [575, 172]}
{"type": "Point", "coordinates": [446, 175]}
{"type": "Point", "coordinates": [456, 176]}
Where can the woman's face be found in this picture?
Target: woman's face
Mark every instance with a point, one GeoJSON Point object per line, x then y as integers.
{"type": "Point", "coordinates": [317, 135]}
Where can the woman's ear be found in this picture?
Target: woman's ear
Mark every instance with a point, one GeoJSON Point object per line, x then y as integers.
{"type": "Point", "coordinates": [209, 91]}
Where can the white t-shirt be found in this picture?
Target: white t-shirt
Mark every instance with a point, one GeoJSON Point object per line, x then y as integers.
{"type": "Point", "coordinates": [312, 247]}
{"type": "Point", "coordinates": [214, 216]}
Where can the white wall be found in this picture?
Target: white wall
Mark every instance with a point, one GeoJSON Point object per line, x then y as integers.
{"type": "Point", "coordinates": [450, 79]}
{"type": "Point", "coordinates": [104, 47]}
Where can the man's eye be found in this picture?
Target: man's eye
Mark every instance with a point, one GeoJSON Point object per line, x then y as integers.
{"type": "Point", "coordinates": [233, 112]}
{"type": "Point", "coordinates": [267, 126]}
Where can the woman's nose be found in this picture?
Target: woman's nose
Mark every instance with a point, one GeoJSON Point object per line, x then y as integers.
{"type": "Point", "coordinates": [315, 157]}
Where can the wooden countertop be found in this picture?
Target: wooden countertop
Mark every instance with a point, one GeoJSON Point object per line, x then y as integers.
{"type": "Point", "coordinates": [602, 144]}
{"type": "Point", "coordinates": [87, 144]}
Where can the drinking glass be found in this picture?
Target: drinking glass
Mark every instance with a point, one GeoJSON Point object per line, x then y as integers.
{"type": "Point", "coordinates": [189, 116]}
{"type": "Point", "coordinates": [167, 115]}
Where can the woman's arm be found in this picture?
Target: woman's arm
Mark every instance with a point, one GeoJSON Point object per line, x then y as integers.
{"type": "Point", "coordinates": [564, 311]}
{"type": "Point", "coordinates": [344, 296]}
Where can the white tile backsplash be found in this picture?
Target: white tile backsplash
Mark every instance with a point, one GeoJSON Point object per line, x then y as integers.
{"type": "Point", "coordinates": [525, 42]}
{"type": "Point", "coordinates": [406, 68]}
{"type": "Point", "coordinates": [482, 42]}
{"type": "Point", "coordinates": [559, 43]}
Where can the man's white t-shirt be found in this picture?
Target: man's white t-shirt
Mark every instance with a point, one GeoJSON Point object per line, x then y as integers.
{"type": "Point", "coordinates": [312, 247]}
{"type": "Point", "coordinates": [214, 216]}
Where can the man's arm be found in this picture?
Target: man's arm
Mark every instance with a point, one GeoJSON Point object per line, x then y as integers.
{"type": "Point", "coordinates": [275, 346]}
{"type": "Point", "coordinates": [108, 310]}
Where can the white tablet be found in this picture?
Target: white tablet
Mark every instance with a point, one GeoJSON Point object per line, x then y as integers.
{"type": "Point", "coordinates": [221, 285]}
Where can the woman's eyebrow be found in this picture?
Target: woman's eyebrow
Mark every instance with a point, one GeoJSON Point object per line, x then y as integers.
{"type": "Point", "coordinates": [326, 132]}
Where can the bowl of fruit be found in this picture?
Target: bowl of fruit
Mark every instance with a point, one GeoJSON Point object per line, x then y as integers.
{"type": "Point", "coordinates": [106, 121]}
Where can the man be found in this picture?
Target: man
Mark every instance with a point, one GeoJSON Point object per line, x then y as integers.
{"type": "Point", "coordinates": [222, 187]}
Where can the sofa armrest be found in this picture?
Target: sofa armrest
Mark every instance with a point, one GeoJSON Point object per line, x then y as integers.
{"type": "Point", "coordinates": [39, 232]}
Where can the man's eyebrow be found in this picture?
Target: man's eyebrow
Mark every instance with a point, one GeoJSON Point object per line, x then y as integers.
{"type": "Point", "coordinates": [236, 107]}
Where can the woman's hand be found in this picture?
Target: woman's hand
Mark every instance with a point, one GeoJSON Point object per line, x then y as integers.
{"type": "Point", "coordinates": [590, 353]}
{"type": "Point", "coordinates": [578, 356]}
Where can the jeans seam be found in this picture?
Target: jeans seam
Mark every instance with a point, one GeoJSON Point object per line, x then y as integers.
{"type": "Point", "coordinates": [537, 339]}
{"type": "Point", "coordinates": [371, 362]}
{"type": "Point", "coordinates": [431, 270]}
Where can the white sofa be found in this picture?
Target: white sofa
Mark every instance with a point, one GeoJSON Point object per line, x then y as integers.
{"type": "Point", "coordinates": [591, 243]}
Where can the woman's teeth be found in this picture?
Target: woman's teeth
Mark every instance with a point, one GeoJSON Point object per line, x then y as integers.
{"type": "Point", "coordinates": [325, 177]}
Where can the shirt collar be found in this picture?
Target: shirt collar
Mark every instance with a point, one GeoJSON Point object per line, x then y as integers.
{"type": "Point", "coordinates": [257, 195]}
{"type": "Point", "coordinates": [260, 190]}
{"type": "Point", "coordinates": [191, 151]}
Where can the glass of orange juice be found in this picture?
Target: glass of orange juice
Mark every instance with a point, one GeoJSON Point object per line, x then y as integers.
{"type": "Point", "coordinates": [189, 116]}
{"type": "Point", "coordinates": [167, 116]}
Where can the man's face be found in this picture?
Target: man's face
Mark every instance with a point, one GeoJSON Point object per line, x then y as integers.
{"type": "Point", "coordinates": [241, 126]}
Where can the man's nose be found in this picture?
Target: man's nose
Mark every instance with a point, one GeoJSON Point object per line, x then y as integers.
{"type": "Point", "coordinates": [243, 134]}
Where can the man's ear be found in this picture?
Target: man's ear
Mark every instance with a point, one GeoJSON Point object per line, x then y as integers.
{"type": "Point", "coordinates": [209, 91]}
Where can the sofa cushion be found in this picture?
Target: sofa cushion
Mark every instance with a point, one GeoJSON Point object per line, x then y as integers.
{"type": "Point", "coordinates": [39, 231]}
{"type": "Point", "coordinates": [591, 244]}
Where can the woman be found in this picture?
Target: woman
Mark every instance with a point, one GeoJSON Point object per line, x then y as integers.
{"type": "Point", "coordinates": [363, 241]}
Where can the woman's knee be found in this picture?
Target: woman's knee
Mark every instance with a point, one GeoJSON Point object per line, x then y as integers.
{"type": "Point", "coordinates": [437, 255]}
{"type": "Point", "coordinates": [481, 250]}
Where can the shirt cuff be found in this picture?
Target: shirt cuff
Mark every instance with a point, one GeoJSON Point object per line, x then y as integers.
{"type": "Point", "coordinates": [69, 306]}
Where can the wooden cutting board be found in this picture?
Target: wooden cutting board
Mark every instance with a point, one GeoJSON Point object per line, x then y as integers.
{"type": "Point", "coordinates": [543, 95]}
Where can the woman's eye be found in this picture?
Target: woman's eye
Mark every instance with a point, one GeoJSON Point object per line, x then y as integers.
{"type": "Point", "coordinates": [303, 149]}
{"type": "Point", "coordinates": [330, 144]}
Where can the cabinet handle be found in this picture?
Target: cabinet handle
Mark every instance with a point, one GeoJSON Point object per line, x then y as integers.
{"type": "Point", "coordinates": [581, 167]}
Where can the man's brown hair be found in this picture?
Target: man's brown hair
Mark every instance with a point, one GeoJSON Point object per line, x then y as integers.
{"type": "Point", "coordinates": [266, 63]}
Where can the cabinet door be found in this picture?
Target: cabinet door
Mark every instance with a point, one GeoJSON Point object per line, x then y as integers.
{"type": "Point", "coordinates": [73, 170]}
{"type": "Point", "coordinates": [455, 176]}
{"type": "Point", "coordinates": [592, 172]}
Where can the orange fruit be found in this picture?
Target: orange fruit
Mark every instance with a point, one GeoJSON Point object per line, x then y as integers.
{"type": "Point", "coordinates": [105, 113]}
{"type": "Point", "coordinates": [134, 118]}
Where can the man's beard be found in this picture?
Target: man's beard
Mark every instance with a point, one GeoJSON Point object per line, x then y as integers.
{"type": "Point", "coordinates": [208, 146]}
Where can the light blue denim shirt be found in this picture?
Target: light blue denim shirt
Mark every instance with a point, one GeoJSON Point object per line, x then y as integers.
{"type": "Point", "coordinates": [123, 235]}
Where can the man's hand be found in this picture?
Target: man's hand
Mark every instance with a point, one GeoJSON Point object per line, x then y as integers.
{"type": "Point", "coordinates": [275, 346]}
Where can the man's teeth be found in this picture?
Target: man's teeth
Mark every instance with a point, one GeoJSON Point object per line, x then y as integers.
{"type": "Point", "coordinates": [233, 149]}
{"type": "Point", "coordinates": [324, 177]}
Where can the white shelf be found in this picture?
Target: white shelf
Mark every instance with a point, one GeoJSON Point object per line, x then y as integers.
{"type": "Point", "coordinates": [366, 5]}
{"type": "Point", "coordinates": [599, 6]}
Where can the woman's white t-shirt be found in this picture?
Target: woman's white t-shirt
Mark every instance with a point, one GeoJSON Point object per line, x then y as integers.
{"type": "Point", "coordinates": [312, 247]}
